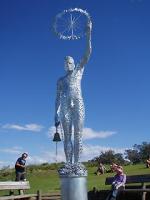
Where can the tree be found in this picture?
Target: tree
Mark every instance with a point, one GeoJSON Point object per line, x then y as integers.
{"type": "Point", "coordinates": [119, 159]}
{"type": "Point", "coordinates": [109, 157]}
{"type": "Point", "coordinates": [144, 150]}
{"type": "Point", "coordinates": [133, 155]}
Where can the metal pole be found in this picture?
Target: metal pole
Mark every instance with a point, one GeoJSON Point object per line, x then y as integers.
{"type": "Point", "coordinates": [56, 152]}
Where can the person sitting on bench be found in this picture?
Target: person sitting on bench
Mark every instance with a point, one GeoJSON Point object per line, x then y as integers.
{"type": "Point", "coordinates": [113, 167]}
{"type": "Point", "coordinates": [148, 162]}
{"type": "Point", "coordinates": [118, 182]}
{"type": "Point", "coordinates": [101, 169]}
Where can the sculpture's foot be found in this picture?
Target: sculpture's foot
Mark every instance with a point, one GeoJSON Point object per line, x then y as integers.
{"type": "Point", "coordinates": [75, 169]}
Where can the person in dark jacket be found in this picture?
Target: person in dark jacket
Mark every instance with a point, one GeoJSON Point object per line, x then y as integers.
{"type": "Point", "coordinates": [20, 167]}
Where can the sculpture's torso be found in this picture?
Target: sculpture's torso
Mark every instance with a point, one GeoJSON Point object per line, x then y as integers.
{"type": "Point", "coordinates": [71, 87]}
{"type": "Point", "coordinates": [71, 95]}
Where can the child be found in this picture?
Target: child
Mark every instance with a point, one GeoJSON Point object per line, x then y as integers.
{"type": "Point", "coordinates": [118, 182]}
{"type": "Point", "coordinates": [113, 167]}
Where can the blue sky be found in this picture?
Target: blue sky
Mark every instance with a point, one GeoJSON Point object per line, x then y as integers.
{"type": "Point", "coordinates": [115, 84]}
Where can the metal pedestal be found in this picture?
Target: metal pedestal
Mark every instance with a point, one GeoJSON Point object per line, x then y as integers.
{"type": "Point", "coordinates": [73, 187]}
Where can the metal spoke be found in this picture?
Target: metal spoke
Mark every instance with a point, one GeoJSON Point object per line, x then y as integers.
{"type": "Point", "coordinates": [77, 18]}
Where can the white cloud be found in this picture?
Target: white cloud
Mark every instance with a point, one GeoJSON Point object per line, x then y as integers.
{"type": "Point", "coordinates": [27, 127]}
{"type": "Point", "coordinates": [51, 155]}
{"type": "Point", "coordinates": [88, 133]}
{"type": "Point", "coordinates": [2, 164]}
{"type": "Point", "coordinates": [13, 150]}
{"type": "Point", "coordinates": [51, 131]}
{"type": "Point", "coordinates": [91, 151]}
{"type": "Point", "coordinates": [47, 157]}
{"type": "Point", "coordinates": [6, 165]}
{"type": "Point", "coordinates": [36, 160]}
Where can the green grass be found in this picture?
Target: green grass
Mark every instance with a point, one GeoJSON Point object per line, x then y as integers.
{"type": "Point", "coordinates": [48, 181]}
{"type": "Point", "coordinates": [99, 181]}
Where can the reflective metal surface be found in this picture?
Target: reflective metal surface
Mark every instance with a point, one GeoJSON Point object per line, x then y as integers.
{"type": "Point", "coordinates": [69, 105]}
{"type": "Point", "coordinates": [73, 188]}
{"type": "Point", "coordinates": [76, 169]}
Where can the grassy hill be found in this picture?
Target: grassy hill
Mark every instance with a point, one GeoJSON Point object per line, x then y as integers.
{"type": "Point", "coordinates": [45, 177]}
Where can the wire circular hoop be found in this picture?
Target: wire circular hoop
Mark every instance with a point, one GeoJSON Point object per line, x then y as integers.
{"type": "Point", "coordinates": [71, 24]}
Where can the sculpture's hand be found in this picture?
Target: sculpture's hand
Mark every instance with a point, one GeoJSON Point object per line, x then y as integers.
{"type": "Point", "coordinates": [57, 122]}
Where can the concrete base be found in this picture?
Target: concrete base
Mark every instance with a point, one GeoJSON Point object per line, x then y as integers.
{"type": "Point", "coordinates": [73, 187]}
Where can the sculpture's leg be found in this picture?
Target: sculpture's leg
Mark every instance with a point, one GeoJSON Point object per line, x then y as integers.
{"type": "Point", "coordinates": [77, 146]}
{"type": "Point", "coordinates": [68, 147]}
{"type": "Point", "coordinates": [78, 128]}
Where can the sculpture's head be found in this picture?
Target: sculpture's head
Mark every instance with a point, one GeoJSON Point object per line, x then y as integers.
{"type": "Point", "coordinates": [69, 63]}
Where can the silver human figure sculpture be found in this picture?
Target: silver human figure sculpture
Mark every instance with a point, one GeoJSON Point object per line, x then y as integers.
{"type": "Point", "coordinates": [69, 105]}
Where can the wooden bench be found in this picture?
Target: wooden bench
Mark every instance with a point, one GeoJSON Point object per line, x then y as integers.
{"type": "Point", "coordinates": [21, 186]}
{"type": "Point", "coordinates": [142, 179]}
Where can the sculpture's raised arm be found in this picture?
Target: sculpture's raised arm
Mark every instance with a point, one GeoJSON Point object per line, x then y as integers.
{"type": "Point", "coordinates": [88, 50]}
